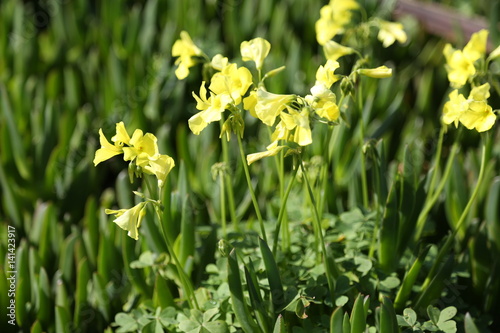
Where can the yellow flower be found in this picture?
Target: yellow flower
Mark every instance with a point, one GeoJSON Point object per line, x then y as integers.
{"type": "Point", "coordinates": [219, 62]}
{"type": "Point", "coordinates": [324, 102]}
{"type": "Point", "coordinates": [479, 114]}
{"type": "Point", "coordinates": [129, 219]}
{"type": "Point", "coordinates": [255, 50]}
{"type": "Point", "coordinates": [298, 122]}
{"type": "Point", "coordinates": [121, 137]}
{"type": "Point", "coordinates": [160, 166]}
{"type": "Point", "coordinates": [325, 75]}
{"type": "Point", "coordinates": [390, 32]}
{"type": "Point", "coordinates": [270, 105]}
{"type": "Point", "coordinates": [452, 109]}
{"type": "Point", "coordinates": [460, 64]}
{"type": "Point", "coordinates": [107, 150]}
{"type": "Point", "coordinates": [473, 113]}
{"type": "Point", "coordinates": [334, 50]}
{"type": "Point", "coordinates": [185, 49]}
{"type": "Point", "coordinates": [141, 149]}
{"type": "Point", "coordinates": [250, 102]}
{"type": "Point", "coordinates": [232, 81]}
{"type": "Point", "coordinates": [377, 73]}
{"type": "Point", "coordinates": [257, 156]}
{"type": "Point", "coordinates": [211, 109]}
{"type": "Point", "coordinates": [333, 18]}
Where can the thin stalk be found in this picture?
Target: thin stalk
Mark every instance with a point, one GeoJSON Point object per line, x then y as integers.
{"type": "Point", "coordinates": [282, 212]}
{"type": "Point", "coordinates": [228, 188]}
{"type": "Point", "coordinates": [250, 188]}
{"type": "Point", "coordinates": [222, 205]}
{"type": "Point", "coordinates": [185, 281]}
{"type": "Point", "coordinates": [436, 162]}
{"type": "Point", "coordinates": [449, 242]}
{"type": "Point", "coordinates": [364, 182]}
{"type": "Point", "coordinates": [330, 266]}
{"type": "Point", "coordinates": [431, 200]}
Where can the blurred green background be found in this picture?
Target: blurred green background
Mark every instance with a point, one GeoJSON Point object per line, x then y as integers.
{"type": "Point", "coordinates": [70, 67]}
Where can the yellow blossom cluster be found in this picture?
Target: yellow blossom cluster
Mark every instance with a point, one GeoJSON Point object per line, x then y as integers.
{"type": "Point", "coordinates": [333, 18]}
{"type": "Point", "coordinates": [142, 152]}
{"type": "Point", "coordinates": [140, 149]}
{"type": "Point", "coordinates": [473, 112]}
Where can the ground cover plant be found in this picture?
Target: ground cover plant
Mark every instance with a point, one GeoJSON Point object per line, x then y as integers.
{"type": "Point", "coordinates": [219, 166]}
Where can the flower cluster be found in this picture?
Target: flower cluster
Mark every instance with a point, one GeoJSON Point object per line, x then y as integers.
{"type": "Point", "coordinates": [186, 51]}
{"type": "Point", "coordinates": [142, 152]}
{"type": "Point", "coordinates": [140, 149]}
{"type": "Point", "coordinates": [462, 66]}
{"type": "Point", "coordinates": [337, 14]}
{"type": "Point", "coordinates": [333, 19]}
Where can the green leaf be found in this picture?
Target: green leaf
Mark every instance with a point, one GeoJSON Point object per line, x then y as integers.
{"type": "Point", "coordinates": [470, 327]}
{"type": "Point", "coordinates": [126, 322]}
{"type": "Point", "coordinates": [409, 279]}
{"type": "Point", "coordinates": [388, 233]}
{"type": "Point", "coordinates": [83, 277]}
{"type": "Point", "coordinates": [358, 316]}
{"type": "Point", "coordinates": [63, 321]}
{"type": "Point", "coordinates": [447, 314]}
{"type": "Point", "coordinates": [279, 326]}
{"type": "Point", "coordinates": [337, 320]}
{"type": "Point", "coordinates": [236, 289]}
{"type": "Point", "coordinates": [273, 275]}
{"type": "Point", "coordinates": [14, 136]}
{"type": "Point", "coordinates": [162, 296]}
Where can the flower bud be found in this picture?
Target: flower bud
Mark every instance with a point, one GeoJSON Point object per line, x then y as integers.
{"type": "Point", "coordinates": [377, 73]}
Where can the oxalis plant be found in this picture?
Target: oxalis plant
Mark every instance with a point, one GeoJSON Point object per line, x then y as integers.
{"type": "Point", "coordinates": [368, 269]}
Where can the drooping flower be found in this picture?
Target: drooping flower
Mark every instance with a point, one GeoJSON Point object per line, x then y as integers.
{"type": "Point", "coordinates": [325, 74]}
{"type": "Point", "coordinates": [380, 72]}
{"type": "Point", "coordinates": [460, 64]}
{"type": "Point", "coordinates": [390, 32]}
{"type": "Point", "coordinates": [129, 219]}
{"type": "Point", "coordinates": [160, 166]}
{"type": "Point", "coordinates": [185, 50]}
{"type": "Point", "coordinates": [324, 102]}
{"type": "Point", "coordinates": [255, 50]}
{"type": "Point", "coordinates": [271, 151]}
{"type": "Point", "coordinates": [333, 18]}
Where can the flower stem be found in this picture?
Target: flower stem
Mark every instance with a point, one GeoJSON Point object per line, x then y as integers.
{"type": "Point", "coordinates": [222, 205]}
{"type": "Point", "coordinates": [185, 281]}
{"type": "Point", "coordinates": [331, 268]}
{"type": "Point", "coordinates": [433, 195]}
{"type": "Point", "coordinates": [449, 241]}
{"type": "Point", "coordinates": [282, 212]}
{"type": "Point", "coordinates": [250, 188]}
{"type": "Point", "coordinates": [227, 182]}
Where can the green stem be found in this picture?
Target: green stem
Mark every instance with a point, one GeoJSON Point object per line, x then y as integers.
{"type": "Point", "coordinates": [449, 241]}
{"type": "Point", "coordinates": [250, 188]}
{"type": "Point", "coordinates": [430, 200]}
{"type": "Point", "coordinates": [330, 267]}
{"type": "Point", "coordinates": [185, 281]}
{"type": "Point", "coordinates": [222, 205]}
{"type": "Point", "coordinates": [436, 162]}
{"type": "Point", "coordinates": [282, 211]}
{"type": "Point", "coordinates": [227, 182]}
{"type": "Point", "coordinates": [364, 182]}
